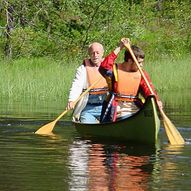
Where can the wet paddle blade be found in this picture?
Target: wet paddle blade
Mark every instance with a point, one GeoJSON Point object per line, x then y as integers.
{"type": "Point", "coordinates": [173, 134]}
{"type": "Point", "coordinates": [46, 129]}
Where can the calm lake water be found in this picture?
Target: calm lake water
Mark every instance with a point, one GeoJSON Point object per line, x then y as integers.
{"type": "Point", "coordinates": [64, 161]}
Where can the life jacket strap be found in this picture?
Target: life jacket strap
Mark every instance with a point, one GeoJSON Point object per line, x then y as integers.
{"type": "Point", "coordinates": [121, 97]}
{"type": "Point", "coordinates": [96, 91]}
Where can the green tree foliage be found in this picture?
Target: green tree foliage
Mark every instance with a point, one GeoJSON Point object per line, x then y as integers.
{"type": "Point", "coordinates": [63, 28]}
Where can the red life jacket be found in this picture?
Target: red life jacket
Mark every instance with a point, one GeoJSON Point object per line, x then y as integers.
{"type": "Point", "coordinates": [93, 75]}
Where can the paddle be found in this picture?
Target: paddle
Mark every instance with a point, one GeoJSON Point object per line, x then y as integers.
{"type": "Point", "coordinates": [47, 129]}
{"type": "Point", "coordinates": [173, 134]}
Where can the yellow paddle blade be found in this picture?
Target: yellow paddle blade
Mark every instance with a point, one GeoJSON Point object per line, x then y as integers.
{"type": "Point", "coordinates": [173, 134]}
{"type": "Point", "coordinates": [46, 129]}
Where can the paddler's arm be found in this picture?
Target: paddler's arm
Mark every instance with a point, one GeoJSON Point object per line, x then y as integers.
{"type": "Point", "coordinates": [78, 84]}
{"type": "Point", "coordinates": [106, 66]}
{"type": "Point", "coordinates": [147, 91]}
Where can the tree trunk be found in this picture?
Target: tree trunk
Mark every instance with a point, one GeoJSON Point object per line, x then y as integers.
{"type": "Point", "coordinates": [9, 27]}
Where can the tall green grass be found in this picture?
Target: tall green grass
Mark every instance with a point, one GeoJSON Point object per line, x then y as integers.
{"type": "Point", "coordinates": [170, 73]}
{"type": "Point", "coordinates": [48, 79]}
{"type": "Point", "coordinates": [37, 78]}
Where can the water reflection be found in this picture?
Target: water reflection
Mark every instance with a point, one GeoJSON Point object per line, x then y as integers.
{"type": "Point", "coordinates": [30, 162]}
{"type": "Point", "coordinates": [63, 161]}
{"type": "Point", "coordinates": [66, 162]}
{"type": "Point", "coordinates": [111, 167]}
{"type": "Point", "coordinates": [174, 168]}
{"type": "Point", "coordinates": [177, 105]}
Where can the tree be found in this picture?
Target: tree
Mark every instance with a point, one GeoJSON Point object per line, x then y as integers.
{"type": "Point", "coordinates": [9, 27]}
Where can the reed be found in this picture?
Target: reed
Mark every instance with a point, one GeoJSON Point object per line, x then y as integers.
{"type": "Point", "coordinates": [48, 79]}
{"type": "Point", "coordinates": [37, 78]}
{"type": "Point", "coordinates": [170, 74]}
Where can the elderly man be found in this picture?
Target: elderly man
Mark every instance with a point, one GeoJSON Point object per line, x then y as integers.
{"type": "Point", "coordinates": [88, 109]}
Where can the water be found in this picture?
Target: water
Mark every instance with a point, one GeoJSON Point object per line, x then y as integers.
{"type": "Point", "coordinates": [65, 162]}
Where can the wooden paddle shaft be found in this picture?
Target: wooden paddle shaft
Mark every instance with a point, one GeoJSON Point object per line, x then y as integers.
{"type": "Point", "coordinates": [141, 71]}
{"type": "Point", "coordinates": [83, 94]}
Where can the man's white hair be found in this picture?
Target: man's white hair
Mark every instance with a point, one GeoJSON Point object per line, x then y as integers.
{"type": "Point", "coordinates": [95, 43]}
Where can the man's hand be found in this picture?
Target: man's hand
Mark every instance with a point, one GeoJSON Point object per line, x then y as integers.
{"type": "Point", "coordinates": [160, 105]}
{"type": "Point", "coordinates": [70, 105]}
{"type": "Point", "coordinates": [123, 42]}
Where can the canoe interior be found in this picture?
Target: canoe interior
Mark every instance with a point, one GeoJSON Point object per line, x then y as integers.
{"type": "Point", "coordinates": [142, 127]}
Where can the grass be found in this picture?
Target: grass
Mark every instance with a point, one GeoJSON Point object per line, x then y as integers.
{"type": "Point", "coordinates": [170, 74]}
{"type": "Point", "coordinates": [48, 79]}
{"type": "Point", "coordinates": [37, 78]}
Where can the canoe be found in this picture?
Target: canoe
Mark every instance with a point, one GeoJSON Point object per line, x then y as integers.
{"type": "Point", "coordinates": [142, 127]}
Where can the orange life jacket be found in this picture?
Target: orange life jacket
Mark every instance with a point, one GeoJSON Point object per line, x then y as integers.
{"type": "Point", "coordinates": [128, 85]}
{"type": "Point", "coordinates": [93, 75]}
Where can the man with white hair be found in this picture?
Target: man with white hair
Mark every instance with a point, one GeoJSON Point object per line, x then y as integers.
{"type": "Point", "coordinates": [88, 109]}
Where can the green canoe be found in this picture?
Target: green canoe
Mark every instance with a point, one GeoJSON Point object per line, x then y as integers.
{"type": "Point", "coordinates": [142, 127]}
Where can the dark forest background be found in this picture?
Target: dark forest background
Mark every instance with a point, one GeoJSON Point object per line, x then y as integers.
{"type": "Point", "coordinates": [63, 28]}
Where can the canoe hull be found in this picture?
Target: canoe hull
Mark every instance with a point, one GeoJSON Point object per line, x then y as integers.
{"type": "Point", "coordinates": [142, 127]}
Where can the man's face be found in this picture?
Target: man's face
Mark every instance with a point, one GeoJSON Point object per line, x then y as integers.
{"type": "Point", "coordinates": [96, 53]}
{"type": "Point", "coordinates": [134, 65]}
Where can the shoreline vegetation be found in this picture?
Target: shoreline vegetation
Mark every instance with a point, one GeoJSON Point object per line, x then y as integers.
{"type": "Point", "coordinates": [49, 79]}
{"type": "Point", "coordinates": [43, 42]}
{"type": "Point", "coordinates": [64, 29]}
